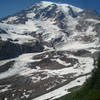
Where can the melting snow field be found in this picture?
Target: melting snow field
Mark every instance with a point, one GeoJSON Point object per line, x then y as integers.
{"type": "Point", "coordinates": [63, 90]}
{"type": "Point", "coordinates": [20, 68]}
{"type": "Point", "coordinates": [77, 45]}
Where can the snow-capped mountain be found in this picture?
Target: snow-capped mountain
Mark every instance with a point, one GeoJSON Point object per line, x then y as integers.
{"type": "Point", "coordinates": [44, 47]}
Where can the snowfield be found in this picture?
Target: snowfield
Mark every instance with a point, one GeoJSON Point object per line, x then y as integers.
{"type": "Point", "coordinates": [63, 90]}
{"type": "Point", "coordinates": [20, 68]}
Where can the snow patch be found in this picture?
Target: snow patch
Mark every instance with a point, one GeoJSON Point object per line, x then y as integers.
{"type": "Point", "coordinates": [10, 19]}
{"type": "Point", "coordinates": [5, 89]}
{"type": "Point", "coordinates": [61, 62]}
{"type": "Point", "coordinates": [30, 15]}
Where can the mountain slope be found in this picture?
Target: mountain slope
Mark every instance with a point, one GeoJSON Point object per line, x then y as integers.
{"type": "Point", "coordinates": [90, 90]}
{"type": "Point", "coordinates": [45, 47]}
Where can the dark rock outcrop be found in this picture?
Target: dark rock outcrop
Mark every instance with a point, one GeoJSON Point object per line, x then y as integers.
{"type": "Point", "coordinates": [97, 28]}
{"type": "Point", "coordinates": [89, 13]}
{"type": "Point", "coordinates": [6, 66]}
{"type": "Point", "coordinates": [9, 49]}
{"type": "Point", "coordinates": [2, 31]}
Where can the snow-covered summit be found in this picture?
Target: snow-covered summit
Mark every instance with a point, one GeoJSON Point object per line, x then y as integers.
{"type": "Point", "coordinates": [46, 3]}
{"type": "Point", "coordinates": [55, 22]}
{"type": "Point", "coordinates": [63, 5]}
{"type": "Point", "coordinates": [42, 10]}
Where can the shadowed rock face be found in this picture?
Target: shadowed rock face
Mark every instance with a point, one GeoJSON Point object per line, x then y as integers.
{"type": "Point", "coordinates": [2, 31]}
{"type": "Point", "coordinates": [97, 28]}
{"type": "Point", "coordinates": [50, 12]}
{"type": "Point", "coordinates": [10, 50]}
{"type": "Point", "coordinates": [6, 66]}
{"type": "Point", "coordinates": [89, 13]}
{"type": "Point", "coordinates": [71, 12]}
{"type": "Point", "coordinates": [83, 25]}
{"type": "Point", "coordinates": [47, 12]}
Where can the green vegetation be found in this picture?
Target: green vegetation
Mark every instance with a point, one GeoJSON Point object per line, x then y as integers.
{"type": "Point", "coordinates": [90, 90]}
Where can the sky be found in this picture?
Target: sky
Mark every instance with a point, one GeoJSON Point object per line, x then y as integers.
{"type": "Point", "coordinates": [9, 7]}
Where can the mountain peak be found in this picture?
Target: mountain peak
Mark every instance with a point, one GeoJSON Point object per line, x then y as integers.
{"type": "Point", "coordinates": [47, 2]}
{"type": "Point", "coordinates": [43, 10]}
